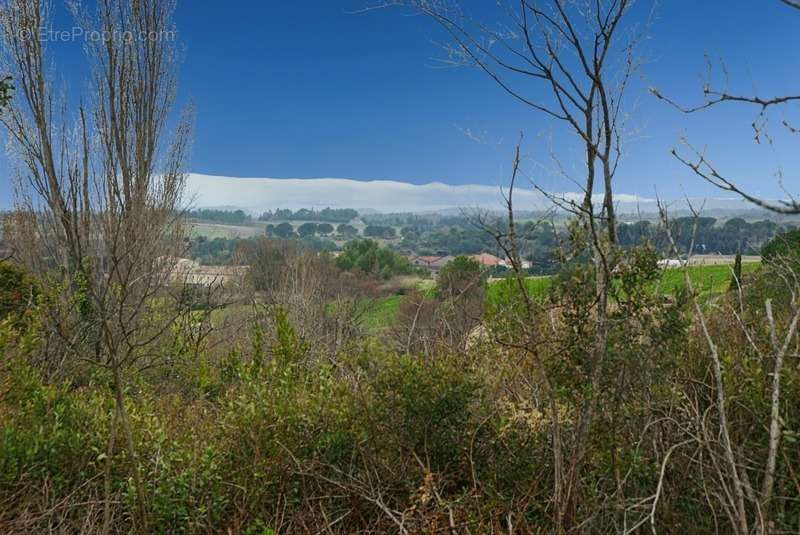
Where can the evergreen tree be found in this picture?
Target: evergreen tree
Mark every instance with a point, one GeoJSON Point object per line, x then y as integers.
{"type": "Point", "coordinates": [736, 280]}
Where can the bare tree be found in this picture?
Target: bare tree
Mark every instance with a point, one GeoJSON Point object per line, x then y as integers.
{"type": "Point", "coordinates": [700, 165]}
{"type": "Point", "coordinates": [577, 56]}
{"type": "Point", "coordinates": [101, 185]}
{"type": "Point", "coordinates": [574, 54]}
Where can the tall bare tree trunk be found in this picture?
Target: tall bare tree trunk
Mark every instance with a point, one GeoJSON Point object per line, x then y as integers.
{"type": "Point", "coordinates": [107, 202]}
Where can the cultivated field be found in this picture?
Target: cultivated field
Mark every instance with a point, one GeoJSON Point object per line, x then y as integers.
{"type": "Point", "coordinates": [216, 230]}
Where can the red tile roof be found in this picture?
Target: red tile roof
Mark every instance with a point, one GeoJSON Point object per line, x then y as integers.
{"type": "Point", "coordinates": [487, 259]}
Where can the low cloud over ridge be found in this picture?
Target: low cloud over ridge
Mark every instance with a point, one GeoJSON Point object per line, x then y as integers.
{"type": "Point", "coordinates": [257, 194]}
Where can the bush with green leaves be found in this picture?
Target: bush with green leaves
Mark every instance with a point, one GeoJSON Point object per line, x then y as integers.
{"type": "Point", "coordinates": [48, 435]}
{"type": "Point", "coordinates": [371, 258]}
{"type": "Point", "coordinates": [461, 275]}
{"type": "Point", "coordinates": [18, 290]}
{"type": "Point", "coordinates": [783, 248]}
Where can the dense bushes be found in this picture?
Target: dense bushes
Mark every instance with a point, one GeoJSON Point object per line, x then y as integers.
{"type": "Point", "coordinates": [280, 437]}
{"type": "Point", "coordinates": [274, 432]}
{"type": "Point", "coordinates": [49, 434]}
{"type": "Point", "coordinates": [380, 438]}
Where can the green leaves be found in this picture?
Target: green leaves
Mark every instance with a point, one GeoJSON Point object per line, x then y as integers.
{"type": "Point", "coordinates": [18, 290]}
{"type": "Point", "coordinates": [369, 257]}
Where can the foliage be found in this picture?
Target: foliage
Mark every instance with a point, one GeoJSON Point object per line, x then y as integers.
{"type": "Point", "coordinates": [307, 229]}
{"type": "Point", "coordinates": [324, 229]}
{"type": "Point", "coordinates": [330, 215]}
{"type": "Point", "coordinates": [218, 251]}
{"type": "Point", "coordinates": [234, 217]}
{"type": "Point", "coordinates": [783, 248]}
{"type": "Point", "coordinates": [282, 230]}
{"type": "Point", "coordinates": [346, 231]}
{"type": "Point", "coordinates": [290, 439]}
{"type": "Point", "coordinates": [711, 237]}
{"type": "Point", "coordinates": [18, 290]}
{"type": "Point", "coordinates": [268, 260]}
{"type": "Point", "coordinates": [609, 397]}
{"type": "Point", "coordinates": [379, 231]}
{"type": "Point", "coordinates": [315, 243]}
{"type": "Point", "coordinates": [462, 274]}
{"type": "Point", "coordinates": [369, 257]}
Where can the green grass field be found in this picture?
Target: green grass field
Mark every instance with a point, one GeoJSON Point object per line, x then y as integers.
{"type": "Point", "coordinates": [380, 313]}
{"type": "Point", "coordinates": [708, 280]}
{"type": "Point", "coordinates": [537, 286]}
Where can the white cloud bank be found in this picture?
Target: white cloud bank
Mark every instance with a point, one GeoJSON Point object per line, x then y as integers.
{"type": "Point", "coordinates": [259, 194]}
{"type": "Point", "coordinates": [256, 194]}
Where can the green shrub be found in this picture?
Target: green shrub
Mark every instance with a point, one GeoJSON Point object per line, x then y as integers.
{"type": "Point", "coordinates": [48, 433]}
{"type": "Point", "coordinates": [18, 290]}
{"type": "Point", "coordinates": [369, 257]}
{"type": "Point", "coordinates": [460, 275]}
{"type": "Point", "coordinates": [185, 488]}
{"type": "Point", "coordinates": [424, 405]}
{"type": "Point", "coordinates": [783, 247]}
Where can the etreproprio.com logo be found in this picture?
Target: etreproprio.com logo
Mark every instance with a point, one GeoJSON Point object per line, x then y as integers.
{"type": "Point", "coordinates": [78, 33]}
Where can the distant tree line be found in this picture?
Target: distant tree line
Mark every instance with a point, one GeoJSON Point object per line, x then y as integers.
{"type": "Point", "coordinates": [239, 217]}
{"type": "Point", "coordinates": [380, 231]}
{"type": "Point", "coordinates": [538, 241]}
{"type": "Point", "coordinates": [286, 230]}
{"type": "Point", "coordinates": [224, 251]}
{"type": "Point", "coordinates": [430, 221]}
{"type": "Point", "coordinates": [711, 237]}
{"type": "Point", "coordinates": [229, 217]}
{"type": "Point", "coordinates": [331, 215]}
{"type": "Point", "coordinates": [401, 220]}
{"type": "Point", "coordinates": [211, 252]}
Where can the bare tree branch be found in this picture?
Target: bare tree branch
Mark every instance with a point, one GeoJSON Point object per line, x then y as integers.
{"type": "Point", "coordinates": [702, 168]}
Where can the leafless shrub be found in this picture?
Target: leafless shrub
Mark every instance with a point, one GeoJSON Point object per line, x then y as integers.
{"type": "Point", "coordinates": [101, 187]}
{"type": "Point", "coordinates": [734, 468]}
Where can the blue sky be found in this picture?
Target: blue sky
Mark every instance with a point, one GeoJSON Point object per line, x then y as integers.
{"type": "Point", "coordinates": [308, 89]}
